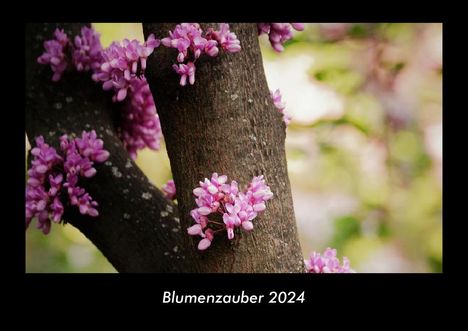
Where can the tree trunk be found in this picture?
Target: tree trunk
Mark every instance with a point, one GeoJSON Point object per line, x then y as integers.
{"type": "Point", "coordinates": [134, 233]}
{"type": "Point", "coordinates": [226, 123]}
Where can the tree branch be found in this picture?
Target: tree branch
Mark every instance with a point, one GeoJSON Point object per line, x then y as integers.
{"type": "Point", "coordinates": [138, 230]}
{"type": "Point", "coordinates": [226, 123]}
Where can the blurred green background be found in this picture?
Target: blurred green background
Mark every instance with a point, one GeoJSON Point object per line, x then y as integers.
{"type": "Point", "coordinates": [364, 147]}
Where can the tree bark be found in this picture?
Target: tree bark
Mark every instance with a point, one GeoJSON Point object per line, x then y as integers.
{"type": "Point", "coordinates": [134, 233]}
{"type": "Point", "coordinates": [226, 123]}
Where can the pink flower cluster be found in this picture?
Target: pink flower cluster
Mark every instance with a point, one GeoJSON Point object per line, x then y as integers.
{"type": "Point", "coordinates": [43, 186]}
{"type": "Point", "coordinates": [123, 71]}
{"type": "Point", "coordinates": [236, 209]}
{"type": "Point", "coordinates": [225, 38]}
{"type": "Point", "coordinates": [51, 172]}
{"type": "Point", "coordinates": [280, 105]}
{"type": "Point", "coordinates": [187, 38]}
{"type": "Point", "coordinates": [140, 126]}
{"type": "Point", "coordinates": [119, 67]}
{"type": "Point", "coordinates": [55, 54]}
{"type": "Point", "coordinates": [122, 63]}
{"type": "Point", "coordinates": [87, 54]}
{"type": "Point", "coordinates": [328, 263]}
{"type": "Point", "coordinates": [169, 190]}
{"type": "Point", "coordinates": [279, 33]}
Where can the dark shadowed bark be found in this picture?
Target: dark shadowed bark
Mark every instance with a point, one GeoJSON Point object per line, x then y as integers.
{"type": "Point", "coordinates": [138, 230]}
{"type": "Point", "coordinates": [226, 123]}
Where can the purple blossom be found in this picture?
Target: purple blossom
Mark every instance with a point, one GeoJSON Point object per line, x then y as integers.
{"type": "Point", "coordinates": [298, 26]}
{"type": "Point", "coordinates": [79, 197]}
{"type": "Point", "coordinates": [190, 43]}
{"type": "Point", "coordinates": [120, 67]}
{"type": "Point", "coordinates": [278, 33]}
{"type": "Point", "coordinates": [327, 263]}
{"type": "Point", "coordinates": [207, 239]}
{"type": "Point", "coordinates": [43, 186]}
{"type": "Point", "coordinates": [122, 63]}
{"type": "Point", "coordinates": [80, 155]}
{"type": "Point", "coordinates": [140, 126]}
{"type": "Point", "coordinates": [280, 105]}
{"type": "Point", "coordinates": [169, 190]}
{"type": "Point", "coordinates": [92, 147]}
{"type": "Point", "coordinates": [224, 37]}
{"type": "Point", "coordinates": [187, 39]}
{"type": "Point", "coordinates": [185, 71]}
{"type": "Point", "coordinates": [237, 209]}
{"type": "Point", "coordinates": [48, 171]}
{"type": "Point", "coordinates": [257, 193]}
{"type": "Point", "coordinates": [55, 54]}
{"type": "Point", "coordinates": [122, 70]}
{"type": "Point", "coordinates": [87, 54]}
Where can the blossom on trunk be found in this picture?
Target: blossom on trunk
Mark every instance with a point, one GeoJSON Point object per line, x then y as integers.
{"type": "Point", "coordinates": [280, 105]}
{"type": "Point", "coordinates": [278, 33]}
{"type": "Point", "coordinates": [55, 54]}
{"type": "Point", "coordinates": [51, 174]}
{"type": "Point", "coordinates": [236, 209]}
{"type": "Point", "coordinates": [169, 190]}
{"type": "Point", "coordinates": [122, 63]}
{"type": "Point", "coordinates": [191, 43]}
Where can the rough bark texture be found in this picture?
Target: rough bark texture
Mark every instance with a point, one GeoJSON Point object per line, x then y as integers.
{"type": "Point", "coordinates": [226, 123]}
{"type": "Point", "coordinates": [134, 233]}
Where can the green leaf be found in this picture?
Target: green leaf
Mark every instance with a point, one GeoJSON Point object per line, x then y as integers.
{"type": "Point", "coordinates": [346, 227]}
{"type": "Point", "coordinates": [383, 230]}
{"type": "Point", "coordinates": [358, 31]}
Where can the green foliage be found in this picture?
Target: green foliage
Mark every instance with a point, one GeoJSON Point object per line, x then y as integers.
{"type": "Point", "coordinates": [377, 150]}
{"type": "Point", "coordinates": [346, 227]}
{"type": "Point", "coordinates": [358, 31]}
{"type": "Point", "coordinates": [401, 33]}
{"type": "Point", "coordinates": [383, 230]}
{"type": "Point", "coordinates": [343, 80]}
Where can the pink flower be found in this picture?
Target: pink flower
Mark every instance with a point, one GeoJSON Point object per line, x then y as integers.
{"type": "Point", "coordinates": [43, 185]}
{"type": "Point", "coordinates": [140, 126]}
{"type": "Point", "coordinates": [224, 37]}
{"type": "Point", "coordinates": [190, 43]}
{"type": "Point", "coordinates": [55, 54]}
{"type": "Point", "coordinates": [206, 241]}
{"type": "Point", "coordinates": [51, 174]}
{"type": "Point", "coordinates": [278, 33]}
{"type": "Point", "coordinates": [195, 230]}
{"type": "Point", "coordinates": [276, 97]}
{"type": "Point", "coordinates": [186, 38]}
{"type": "Point", "coordinates": [87, 54]}
{"type": "Point", "coordinates": [122, 63]}
{"type": "Point", "coordinates": [120, 67]}
{"type": "Point", "coordinates": [185, 71]}
{"type": "Point", "coordinates": [327, 263]}
{"type": "Point", "coordinates": [298, 26]}
{"type": "Point", "coordinates": [211, 48]}
{"type": "Point", "coordinates": [237, 209]}
{"type": "Point", "coordinates": [169, 190]}
{"type": "Point", "coordinates": [91, 147]}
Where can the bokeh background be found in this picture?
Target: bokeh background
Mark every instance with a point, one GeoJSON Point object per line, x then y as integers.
{"type": "Point", "coordinates": [364, 147]}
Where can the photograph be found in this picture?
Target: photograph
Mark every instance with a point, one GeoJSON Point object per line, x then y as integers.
{"type": "Point", "coordinates": [240, 148]}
